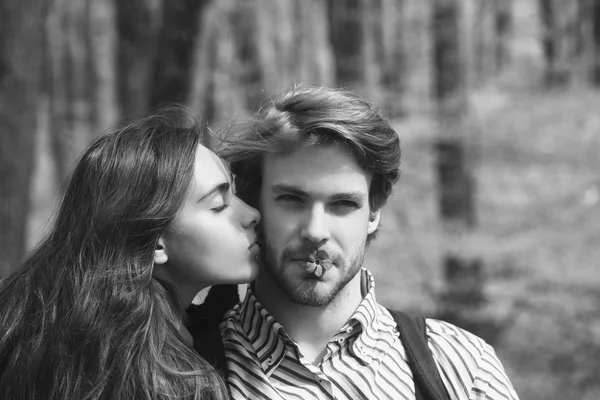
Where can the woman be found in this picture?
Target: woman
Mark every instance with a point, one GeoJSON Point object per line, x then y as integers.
{"type": "Point", "coordinates": [96, 312]}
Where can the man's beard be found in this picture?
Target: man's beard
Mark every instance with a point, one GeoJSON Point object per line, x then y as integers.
{"type": "Point", "coordinates": [306, 294]}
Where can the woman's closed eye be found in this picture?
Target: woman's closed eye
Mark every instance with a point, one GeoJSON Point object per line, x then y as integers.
{"type": "Point", "coordinates": [220, 208]}
{"type": "Point", "coordinates": [222, 200]}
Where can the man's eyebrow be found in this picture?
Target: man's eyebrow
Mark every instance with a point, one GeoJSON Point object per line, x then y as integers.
{"type": "Point", "coordinates": [220, 188]}
{"type": "Point", "coordinates": [281, 188]}
{"type": "Point", "coordinates": [357, 197]}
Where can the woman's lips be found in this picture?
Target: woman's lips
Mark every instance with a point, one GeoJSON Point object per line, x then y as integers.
{"type": "Point", "coordinates": [254, 247]}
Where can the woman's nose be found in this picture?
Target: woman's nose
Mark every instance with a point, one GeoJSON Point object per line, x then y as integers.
{"type": "Point", "coordinates": [250, 215]}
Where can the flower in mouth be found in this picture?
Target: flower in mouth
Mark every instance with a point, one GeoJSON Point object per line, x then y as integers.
{"type": "Point", "coordinates": [319, 264]}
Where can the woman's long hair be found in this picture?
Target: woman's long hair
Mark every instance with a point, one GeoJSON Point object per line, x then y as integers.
{"type": "Point", "coordinates": [83, 318]}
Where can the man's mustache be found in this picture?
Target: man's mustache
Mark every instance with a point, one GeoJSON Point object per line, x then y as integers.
{"type": "Point", "coordinates": [308, 253]}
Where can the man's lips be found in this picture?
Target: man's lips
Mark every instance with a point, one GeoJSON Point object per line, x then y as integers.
{"type": "Point", "coordinates": [317, 256]}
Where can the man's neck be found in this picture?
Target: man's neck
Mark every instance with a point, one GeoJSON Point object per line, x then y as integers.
{"type": "Point", "coordinates": [310, 327]}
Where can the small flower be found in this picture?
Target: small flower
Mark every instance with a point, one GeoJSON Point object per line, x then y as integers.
{"type": "Point", "coordinates": [319, 271]}
{"type": "Point", "coordinates": [327, 264]}
{"type": "Point", "coordinates": [311, 267]}
{"type": "Point", "coordinates": [322, 255]}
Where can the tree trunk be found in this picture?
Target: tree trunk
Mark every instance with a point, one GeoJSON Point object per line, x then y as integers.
{"type": "Point", "coordinates": [372, 49]}
{"type": "Point", "coordinates": [251, 50]}
{"type": "Point", "coordinates": [21, 47]}
{"type": "Point", "coordinates": [493, 24]}
{"type": "Point", "coordinates": [560, 22]}
{"type": "Point", "coordinates": [357, 34]}
{"type": "Point", "coordinates": [588, 41]}
{"type": "Point", "coordinates": [312, 61]}
{"type": "Point", "coordinates": [595, 16]}
{"type": "Point", "coordinates": [177, 39]}
{"type": "Point", "coordinates": [503, 24]}
{"type": "Point", "coordinates": [347, 37]}
{"type": "Point", "coordinates": [289, 42]}
{"type": "Point", "coordinates": [215, 90]}
{"type": "Point", "coordinates": [394, 54]}
{"type": "Point", "coordinates": [138, 26]}
{"type": "Point", "coordinates": [415, 26]}
{"type": "Point", "coordinates": [82, 75]}
{"type": "Point", "coordinates": [456, 189]}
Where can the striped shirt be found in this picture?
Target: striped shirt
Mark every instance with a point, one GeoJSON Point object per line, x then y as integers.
{"type": "Point", "coordinates": [364, 360]}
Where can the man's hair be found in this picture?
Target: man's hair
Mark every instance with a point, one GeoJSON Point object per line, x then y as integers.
{"type": "Point", "coordinates": [309, 116]}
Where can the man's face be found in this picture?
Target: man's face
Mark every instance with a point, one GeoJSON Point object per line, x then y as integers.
{"type": "Point", "coordinates": [316, 198]}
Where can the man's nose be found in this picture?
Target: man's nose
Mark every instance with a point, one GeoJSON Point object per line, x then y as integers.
{"type": "Point", "coordinates": [315, 229]}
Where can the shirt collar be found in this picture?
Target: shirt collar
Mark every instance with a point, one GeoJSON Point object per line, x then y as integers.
{"type": "Point", "coordinates": [267, 335]}
{"type": "Point", "coordinates": [373, 323]}
{"type": "Point", "coordinates": [368, 310]}
{"type": "Point", "coordinates": [269, 339]}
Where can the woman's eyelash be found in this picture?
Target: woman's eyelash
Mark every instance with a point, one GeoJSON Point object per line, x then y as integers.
{"type": "Point", "coordinates": [220, 208]}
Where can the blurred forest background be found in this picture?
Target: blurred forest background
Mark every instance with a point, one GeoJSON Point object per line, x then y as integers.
{"type": "Point", "coordinates": [495, 223]}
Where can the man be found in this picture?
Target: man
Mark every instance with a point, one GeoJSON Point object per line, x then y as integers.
{"type": "Point", "coordinates": [320, 164]}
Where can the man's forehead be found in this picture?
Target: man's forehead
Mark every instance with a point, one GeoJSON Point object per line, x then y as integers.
{"type": "Point", "coordinates": [314, 159]}
{"type": "Point", "coordinates": [323, 171]}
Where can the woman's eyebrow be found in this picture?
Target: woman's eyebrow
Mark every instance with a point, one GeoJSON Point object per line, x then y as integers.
{"type": "Point", "coordinates": [220, 188]}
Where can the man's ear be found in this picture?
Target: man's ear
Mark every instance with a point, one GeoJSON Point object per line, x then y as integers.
{"type": "Point", "coordinates": [160, 253]}
{"type": "Point", "coordinates": [374, 217]}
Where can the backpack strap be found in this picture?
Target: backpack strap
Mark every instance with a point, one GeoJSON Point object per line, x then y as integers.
{"type": "Point", "coordinates": [428, 382]}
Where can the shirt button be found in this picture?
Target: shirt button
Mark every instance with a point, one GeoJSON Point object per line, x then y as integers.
{"type": "Point", "coordinates": [349, 329]}
{"type": "Point", "coordinates": [270, 360]}
{"type": "Point", "coordinates": [341, 340]}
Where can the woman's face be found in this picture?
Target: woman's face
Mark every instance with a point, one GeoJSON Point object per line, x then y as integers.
{"type": "Point", "coordinates": [213, 238]}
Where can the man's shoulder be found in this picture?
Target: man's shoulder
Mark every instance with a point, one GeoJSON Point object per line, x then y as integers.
{"type": "Point", "coordinates": [442, 330]}
{"type": "Point", "coordinates": [451, 337]}
{"type": "Point", "coordinates": [456, 349]}
{"type": "Point", "coordinates": [468, 361]}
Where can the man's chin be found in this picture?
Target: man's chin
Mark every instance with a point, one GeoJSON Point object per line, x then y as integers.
{"type": "Point", "coordinates": [301, 287]}
{"type": "Point", "coordinates": [308, 291]}
{"type": "Point", "coordinates": [310, 298]}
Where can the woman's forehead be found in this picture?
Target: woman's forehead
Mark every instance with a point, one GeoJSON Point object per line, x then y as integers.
{"type": "Point", "coordinates": [209, 169]}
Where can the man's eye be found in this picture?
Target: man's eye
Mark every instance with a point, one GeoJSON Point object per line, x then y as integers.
{"type": "Point", "coordinates": [289, 198]}
{"type": "Point", "coordinates": [345, 204]}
